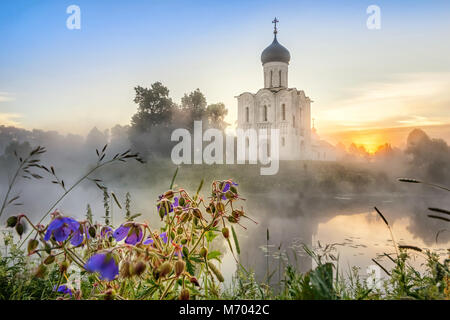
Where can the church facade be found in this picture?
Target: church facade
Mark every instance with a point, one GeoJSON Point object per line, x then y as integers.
{"type": "Point", "coordinates": [277, 106]}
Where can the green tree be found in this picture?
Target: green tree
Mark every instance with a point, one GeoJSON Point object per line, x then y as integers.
{"type": "Point", "coordinates": [155, 107]}
{"type": "Point", "coordinates": [194, 106]}
{"type": "Point", "coordinates": [216, 115]}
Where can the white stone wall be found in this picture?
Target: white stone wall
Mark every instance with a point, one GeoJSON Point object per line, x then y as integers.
{"type": "Point", "coordinates": [275, 74]}
{"type": "Point", "coordinates": [294, 127]}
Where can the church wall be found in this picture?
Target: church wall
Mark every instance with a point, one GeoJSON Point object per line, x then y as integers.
{"type": "Point", "coordinates": [272, 72]}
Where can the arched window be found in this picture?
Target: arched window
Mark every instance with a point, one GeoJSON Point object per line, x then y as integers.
{"type": "Point", "coordinates": [271, 77]}
{"type": "Point", "coordinates": [283, 111]}
{"type": "Point", "coordinates": [283, 141]}
{"type": "Point", "coordinates": [293, 121]}
{"type": "Point", "coordinates": [265, 113]}
{"type": "Point", "coordinates": [247, 114]}
{"type": "Point", "coordinates": [279, 76]}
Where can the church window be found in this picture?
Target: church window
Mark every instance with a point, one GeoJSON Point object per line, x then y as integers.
{"type": "Point", "coordinates": [293, 121]}
{"type": "Point", "coordinates": [265, 113]}
{"type": "Point", "coordinates": [279, 75]}
{"type": "Point", "coordinates": [246, 115]}
{"type": "Point", "coordinates": [271, 77]}
{"type": "Point", "coordinates": [283, 111]}
{"type": "Point", "coordinates": [283, 142]}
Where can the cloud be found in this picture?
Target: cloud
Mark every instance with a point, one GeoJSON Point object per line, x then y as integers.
{"type": "Point", "coordinates": [6, 96]}
{"type": "Point", "coordinates": [10, 119]}
{"type": "Point", "coordinates": [414, 99]}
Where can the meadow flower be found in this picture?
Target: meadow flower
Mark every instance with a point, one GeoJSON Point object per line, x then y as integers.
{"type": "Point", "coordinates": [78, 236]}
{"type": "Point", "coordinates": [61, 228]}
{"type": "Point", "coordinates": [162, 236]}
{"type": "Point", "coordinates": [227, 187]}
{"type": "Point", "coordinates": [106, 232]}
{"type": "Point", "coordinates": [103, 263]}
{"type": "Point", "coordinates": [178, 249]}
{"type": "Point", "coordinates": [149, 240]}
{"type": "Point", "coordinates": [64, 289]}
{"type": "Point", "coordinates": [170, 205]}
{"type": "Point", "coordinates": [131, 231]}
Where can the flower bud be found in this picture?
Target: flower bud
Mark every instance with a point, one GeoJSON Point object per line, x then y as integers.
{"type": "Point", "coordinates": [165, 269]}
{"type": "Point", "coordinates": [203, 252]}
{"type": "Point", "coordinates": [110, 294]}
{"type": "Point", "coordinates": [11, 222]}
{"type": "Point", "coordinates": [32, 245]}
{"type": "Point", "coordinates": [49, 260]}
{"type": "Point", "coordinates": [232, 220]}
{"type": "Point", "coordinates": [229, 194]}
{"type": "Point", "coordinates": [184, 294]}
{"type": "Point", "coordinates": [226, 232]}
{"type": "Point", "coordinates": [125, 270]}
{"type": "Point", "coordinates": [64, 266]}
{"type": "Point", "coordinates": [92, 232]}
{"type": "Point", "coordinates": [197, 213]}
{"type": "Point", "coordinates": [168, 194]}
{"type": "Point", "coordinates": [139, 268]}
{"type": "Point", "coordinates": [181, 201]}
{"type": "Point", "coordinates": [216, 271]}
{"type": "Point", "coordinates": [185, 217]}
{"type": "Point", "coordinates": [20, 228]}
{"type": "Point", "coordinates": [162, 212]}
{"type": "Point", "coordinates": [48, 249]}
{"type": "Point", "coordinates": [179, 267]}
{"type": "Point", "coordinates": [194, 281]}
{"type": "Point", "coordinates": [185, 251]}
{"type": "Point", "coordinates": [220, 207]}
{"type": "Point", "coordinates": [180, 230]}
{"type": "Point", "coordinates": [183, 241]}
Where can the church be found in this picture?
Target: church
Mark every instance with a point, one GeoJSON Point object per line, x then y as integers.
{"type": "Point", "coordinates": [277, 106]}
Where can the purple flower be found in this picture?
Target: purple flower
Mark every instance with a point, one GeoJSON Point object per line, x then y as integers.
{"type": "Point", "coordinates": [61, 228]}
{"type": "Point", "coordinates": [149, 240]}
{"type": "Point", "coordinates": [170, 205]}
{"type": "Point", "coordinates": [78, 236]}
{"type": "Point", "coordinates": [103, 263]}
{"type": "Point", "coordinates": [106, 232]}
{"type": "Point", "coordinates": [226, 188]}
{"type": "Point", "coordinates": [132, 232]}
{"type": "Point", "coordinates": [64, 289]}
{"type": "Point", "coordinates": [162, 236]}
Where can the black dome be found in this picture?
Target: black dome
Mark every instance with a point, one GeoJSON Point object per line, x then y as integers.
{"type": "Point", "coordinates": [275, 53]}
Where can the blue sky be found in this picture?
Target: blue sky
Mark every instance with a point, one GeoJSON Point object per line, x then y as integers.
{"type": "Point", "coordinates": [70, 80]}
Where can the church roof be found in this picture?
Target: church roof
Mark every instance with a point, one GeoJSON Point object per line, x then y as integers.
{"type": "Point", "coordinates": [275, 53]}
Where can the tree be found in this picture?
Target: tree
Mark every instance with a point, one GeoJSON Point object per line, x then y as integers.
{"type": "Point", "coordinates": [194, 106]}
{"type": "Point", "coordinates": [155, 107]}
{"type": "Point", "coordinates": [216, 115]}
{"type": "Point", "coordinates": [430, 158]}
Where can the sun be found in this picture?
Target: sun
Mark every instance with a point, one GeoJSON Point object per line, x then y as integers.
{"type": "Point", "coordinates": [370, 141]}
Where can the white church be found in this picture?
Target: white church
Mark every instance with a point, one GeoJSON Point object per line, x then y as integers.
{"type": "Point", "coordinates": [276, 106]}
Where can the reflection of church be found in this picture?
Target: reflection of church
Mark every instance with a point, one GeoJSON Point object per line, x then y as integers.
{"type": "Point", "coordinates": [277, 106]}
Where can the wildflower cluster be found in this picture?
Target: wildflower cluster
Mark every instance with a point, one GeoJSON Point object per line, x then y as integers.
{"type": "Point", "coordinates": [133, 260]}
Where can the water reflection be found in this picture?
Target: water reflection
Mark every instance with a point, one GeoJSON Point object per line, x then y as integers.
{"type": "Point", "coordinates": [349, 223]}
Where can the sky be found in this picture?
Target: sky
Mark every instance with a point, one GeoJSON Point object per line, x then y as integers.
{"type": "Point", "coordinates": [361, 81]}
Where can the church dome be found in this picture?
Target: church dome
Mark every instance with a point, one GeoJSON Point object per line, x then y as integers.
{"type": "Point", "coordinates": [275, 53]}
